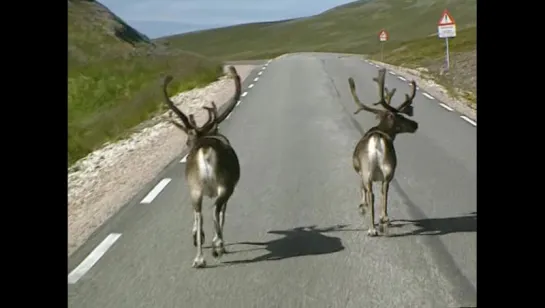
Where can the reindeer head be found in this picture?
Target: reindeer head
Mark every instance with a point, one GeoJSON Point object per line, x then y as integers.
{"type": "Point", "coordinates": [189, 125]}
{"type": "Point", "coordinates": [390, 119]}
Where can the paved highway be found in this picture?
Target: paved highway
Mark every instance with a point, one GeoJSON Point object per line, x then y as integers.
{"type": "Point", "coordinates": [292, 226]}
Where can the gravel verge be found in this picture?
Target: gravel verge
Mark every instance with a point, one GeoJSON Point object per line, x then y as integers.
{"type": "Point", "coordinates": [106, 179]}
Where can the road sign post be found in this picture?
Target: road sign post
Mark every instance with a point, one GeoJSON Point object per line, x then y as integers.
{"type": "Point", "coordinates": [446, 28]}
{"type": "Point", "coordinates": [383, 37]}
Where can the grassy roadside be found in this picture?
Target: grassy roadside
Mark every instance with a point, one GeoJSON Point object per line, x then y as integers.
{"type": "Point", "coordinates": [428, 56]}
{"type": "Point", "coordinates": [114, 75]}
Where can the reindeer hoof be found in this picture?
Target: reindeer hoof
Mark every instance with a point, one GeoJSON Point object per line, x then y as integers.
{"type": "Point", "coordinates": [217, 248]}
{"type": "Point", "coordinates": [385, 221]}
{"type": "Point", "coordinates": [383, 228]}
{"type": "Point", "coordinates": [217, 252]}
{"type": "Point", "coordinates": [362, 208]}
{"type": "Point", "coordinates": [195, 238]}
{"type": "Point", "coordinates": [383, 225]}
{"type": "Point", "coordinates": [199, 262]}
{"type": "Point", "coordinates": [372, 232]}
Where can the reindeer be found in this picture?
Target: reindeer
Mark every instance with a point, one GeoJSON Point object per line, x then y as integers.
{"type": "Point", "coordinates": [374, 157]}
{"type": "Point", "coordinates": [212, 168]}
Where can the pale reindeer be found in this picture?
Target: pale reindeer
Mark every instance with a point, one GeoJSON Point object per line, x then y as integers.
{"type": "Point", "coordinates": [374, 157]}
{"type": "Point", "coordinates": [212, 168]}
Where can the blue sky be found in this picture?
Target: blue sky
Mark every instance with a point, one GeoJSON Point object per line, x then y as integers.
{"type": "Point", "coordinates": [156, 18]}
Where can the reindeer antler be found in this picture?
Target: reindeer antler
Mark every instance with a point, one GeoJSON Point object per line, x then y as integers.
{"type": "Point", "coordinates": [361, 106]}
{"type": "Point", "coordinates": [238, 91]}
{"type": "Point", "coordinates": [212, 118]}
{"type": "Point", "coordinates": [403, 107]}
{"type": "Point", "coordinates": [388, 96]}
{"type": "Point", "coordinates": [172, 107]}
{"type": "Point", "coordinates": [380, 81]}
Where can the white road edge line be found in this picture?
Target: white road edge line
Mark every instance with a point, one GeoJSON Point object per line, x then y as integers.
{"type": "Point", "coordinates": [256, 79]}
{"type": "Point", "coordinates": [392, 73]}
{"type": "Point", "coordinates": [244, 94]}
{"type": "Point", "coordinates": [427, 95]}
{"type": "Point", "coordinates": [402, 78]}
{"type": "Point", "coordinates": [92, 258]}
{"type": "Point", "coordinates": [227, 118]}
{"type": "Point", "coordinates": [468, 120]}
{"type": "Point", "coordinates": [184, 159]}
{"type": "Point", "coordinates": [251, 86]}
{"type": "Point", "coordinates": [260, 72]}
{"type": "Point", "coordinates": [447, 107]}
{"type": "Point", "coordinates": [238, 103]}
{"type": "Point", "coordinates": [155, 191]}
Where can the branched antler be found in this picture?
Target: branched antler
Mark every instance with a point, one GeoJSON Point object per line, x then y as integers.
{"type": "Point", "coordinates": [186, 124]}
{"type": "Point", "coordinates": [385, 97]}
{"type": "Point", "coordinates": [388, 96]}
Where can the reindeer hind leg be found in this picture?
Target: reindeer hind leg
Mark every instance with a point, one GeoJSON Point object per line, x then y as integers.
{"type": "Point", "coordinates": [384, 220]}
{"type": "Point", "coordinates": [364, 204]}
{"type": "Point", "coordinates": [196, 199]}
{"type": "Point", "coordinates": [372, 231]}
{"type": "Point", "coordinates": [218, 247]}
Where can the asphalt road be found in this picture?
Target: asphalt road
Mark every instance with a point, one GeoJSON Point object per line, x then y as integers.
{"type": "Point", "coordinates": [292, 227]}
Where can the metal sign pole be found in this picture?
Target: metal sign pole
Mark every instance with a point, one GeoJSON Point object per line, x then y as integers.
{"type": "Point", "coordinates": [448, 54]}
{"type": "Point", "coordinates": [381, 51]}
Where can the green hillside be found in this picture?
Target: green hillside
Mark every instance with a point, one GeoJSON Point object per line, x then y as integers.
{"type": "Point", "coordinates": [114, 73]}
{"type": "Point", "coordinates": [351, 28]}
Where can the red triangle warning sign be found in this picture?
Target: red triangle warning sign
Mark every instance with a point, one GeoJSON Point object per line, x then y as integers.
{"type": "Point", "coordinates": [383, 35]}
{"type": "Point", "coordinates": [446, 19]}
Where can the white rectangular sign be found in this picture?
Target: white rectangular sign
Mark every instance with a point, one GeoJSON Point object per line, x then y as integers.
{"type": "Point", "coordinates": [446, 31]}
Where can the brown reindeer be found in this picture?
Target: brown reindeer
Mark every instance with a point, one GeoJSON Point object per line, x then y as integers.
{"type": "Point", "coordinates": [212, 168]}
{"type": "Point", "coordinates": [374, 157]}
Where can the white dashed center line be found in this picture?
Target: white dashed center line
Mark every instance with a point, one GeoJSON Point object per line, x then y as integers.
{"type": "Point", "coordinates": [238, 103]}
{"type": "Point", "coordinates": [244, 94]}
{"type": "Point", "coordinates": [256, 79]}
{"type": "Point", "coordinates": [92, 258]}
{"type": "Point", "coordinates": [251, 86]}
{"type": "Point", "coordinates": [402, 78]}
{"type": "Point", "coordinates": [155, 191]}
{"type": "Point", "coordinates": [261, 72]}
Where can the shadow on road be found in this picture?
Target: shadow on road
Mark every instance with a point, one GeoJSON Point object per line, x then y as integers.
{"type": "Point", "coordinates": [428, 226]}
{"type": "Point", "coordinates": [301, 241]}
{"type": "Point", "coordinates": [439, 226]}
